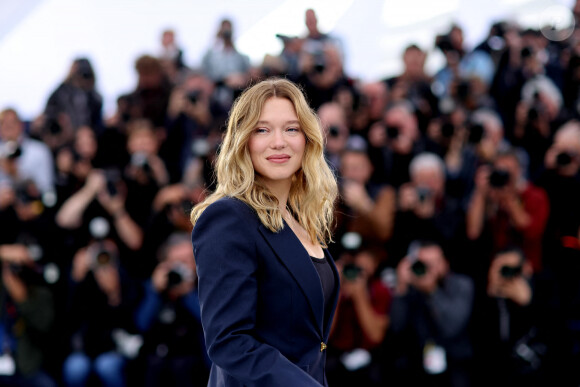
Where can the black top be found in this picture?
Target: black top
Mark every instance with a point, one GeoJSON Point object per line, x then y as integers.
{"type": "Point", "coordinates": [327, 280]}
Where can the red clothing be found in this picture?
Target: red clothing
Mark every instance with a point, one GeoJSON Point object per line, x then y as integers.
{"type": "Point", "coordinates": [347, 333]}
{"type": "Point", "coordinates": [529, 239]}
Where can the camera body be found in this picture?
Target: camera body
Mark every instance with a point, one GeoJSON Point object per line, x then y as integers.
{"type": "Point", "coordinates": [499, 178]}
{"type": "Point", "coordinates": [419, 268]}
{"type": "Point", "coordinates": [333, 131]}
{"type": "Point", "coordinates": [423, 193]}
{"type": "Point", "coordinates": [351, 271]}
{"type": "Point", "coordinates": [101, 256]}
{"type": "Point", "coordinates": [10, 150]}
{"type": "Point", "coordinates": [564, 159]}
{"type": "Point", "coordinates": [392, 132]}
{"type": "Point", "coordinates": [178, 274]}
{"type": "Point", "coordinates": [193, 96]}
{"type": "Point", "coordinates": [509, 272]}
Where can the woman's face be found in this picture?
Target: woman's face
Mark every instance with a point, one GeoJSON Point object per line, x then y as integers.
{"type": "Point", "coordinates": [277, 143]}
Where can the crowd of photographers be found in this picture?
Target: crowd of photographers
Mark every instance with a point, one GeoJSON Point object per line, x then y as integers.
{"type": "Point", "coordinates": [457, 234]}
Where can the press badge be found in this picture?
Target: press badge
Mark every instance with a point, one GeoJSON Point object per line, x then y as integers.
{"type": "Point", "coordinates": [434, 358]}
{"type": "Point", "coordinates": [7, 365]}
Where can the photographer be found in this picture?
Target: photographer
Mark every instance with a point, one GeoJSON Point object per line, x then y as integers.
{"type": "Point", "coordinates": [76, 99]}
{"type": "Point", "coordinates": [74, 163]}
{"type": "Point", "coordinates": [336, 132]}
{"type": "Point", "coordinates": [102, 195]}
{"type": "Point", "coordinates": [536, 118]}
{"type": "Point", "coordinates": [414, 84]}
{"type": "Point", "coordinates": [223, 63]}
{"type": "Point", "coordinates": [506, 327]}
{"type": "Point", "coordinates": [101, 303]}
{"type": "Point", "coordinates": [150, 98]}
{"type": "Point", "coordinates": [424, 210]}
{"type": "Point", "coordinates": [26, 318]}
{"type": "Point", "coordinates": [365, 208]}
{"type": "Point", "coordinates": [193, 113]}
{"type": "Point", "coordinates": [32, 159]}
{"type": "Point", "coordinates": [561, 180]}
{"type": "Point", "coordinates": [168, 317]}
{"type": "Point", "coordinates": [145, 173]}
{"type": "Point", "coordinates": [322, 74]}
{"type": "Point", "coordinates": [506, 209]}
{"type": "Point", "coordinates": [394, 142]}
{"type": "Point", "coordinates": [361, 321]}
{"type": "Point", "coordinates": [429, 320]}
{"type": "Point", "coordinates": [171, 208]}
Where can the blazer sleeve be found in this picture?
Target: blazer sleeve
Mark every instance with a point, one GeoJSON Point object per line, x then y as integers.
{"type": "Point", "coordinates": [227, 268]}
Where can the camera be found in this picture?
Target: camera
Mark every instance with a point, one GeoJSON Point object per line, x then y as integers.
{"type": "Point", "coordinates": [475, 133]}
{"type": "Point", "coordinates": [509, 272]}
{"type": "Point", "coordinates": [36, 273]}
{"type": "Point", "coordinates": [193, 96]}
{"type": "Point", "coordinates": [351, 271]}
{"type": "Point", "coordinates": [563, 159]}
{"type": "Point", "coordinates": [333, 131]}
{"type": "Point", "coordinates": [139, 160]}
{"type": "Point", "coordinates": [319, 63]}
{"type": "Point", "coordinates": [392, 132]}
{"type": "Point", "coordinates": [100, 254]}
{"type": "Point", "coordinates": [10, 150]}
{"type": "Point", "coordinates": [103, 257]}
{"type": "Point", "coordinates": [423, 193]}
{"type": "Point", "coordinates": [463, 90]}
{"type": "Point", "coordinates": [54, 127]}
{"type": "Point", "coordinates": [178, 274]}
{"type": "Point", "coordinates": [499, 178]}
{"type": "Point", "coordinates": [419, 268]}
{"type": "Point", "coordinates": [447, 130]}
{"type": "Point", "coordinates": [112, 177]}
{"type": "Point", "coordinates": [444, 43]}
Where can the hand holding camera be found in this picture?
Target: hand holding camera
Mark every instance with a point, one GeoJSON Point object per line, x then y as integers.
{"type": "Point", "coordinates": [418, 199]}
{"type": "Point", "coordinates": [564, 161]}
{"type": "Point", "coordinates": [421, 274]}
{"type": "Point", "coordinates": [507, 279]}
{"type": "Point", "coordinates": [174, 277]}
{"type": "Point", "coordinates": [353, 281]}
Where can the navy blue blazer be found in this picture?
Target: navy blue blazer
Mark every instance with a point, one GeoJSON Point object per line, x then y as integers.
{"type": "Point", "coordinates": [262, 305]}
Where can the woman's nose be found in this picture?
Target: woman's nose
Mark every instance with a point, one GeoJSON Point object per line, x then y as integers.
{"type": "Point", "coordinates": [278, 140]}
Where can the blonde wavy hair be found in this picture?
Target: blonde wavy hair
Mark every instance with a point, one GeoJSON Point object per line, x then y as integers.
{"type": "Point", "coordinates": [314, 189]}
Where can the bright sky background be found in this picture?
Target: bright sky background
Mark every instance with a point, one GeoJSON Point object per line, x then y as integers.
{"type": "Point", "coordinates": [40, 38]}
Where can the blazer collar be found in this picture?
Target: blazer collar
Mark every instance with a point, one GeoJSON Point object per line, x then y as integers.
{"type": "Point", "coordinates": [289, 249]}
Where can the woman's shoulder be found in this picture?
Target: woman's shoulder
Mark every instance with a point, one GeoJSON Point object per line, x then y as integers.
{"type": "Point", "coordinates": [231, 207]}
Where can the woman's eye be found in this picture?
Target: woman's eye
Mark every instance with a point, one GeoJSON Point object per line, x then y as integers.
{"type": "Point", "coordinates": [293, 129]}
{"type": "Point", "coordinates": [261, 130]}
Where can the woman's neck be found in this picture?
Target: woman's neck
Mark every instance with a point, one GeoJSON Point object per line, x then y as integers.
{"type": "Point", "coordinates": [281, 191]}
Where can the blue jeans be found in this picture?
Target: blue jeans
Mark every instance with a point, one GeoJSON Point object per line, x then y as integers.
{"type": "Point", "coordinates": [109, 368]}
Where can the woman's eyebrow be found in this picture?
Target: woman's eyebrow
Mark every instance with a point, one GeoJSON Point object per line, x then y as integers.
{"type": "Point", "coordinates": [293, 122]}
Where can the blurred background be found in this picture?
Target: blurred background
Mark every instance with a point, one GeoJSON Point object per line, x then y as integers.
{"type": "Point", "coordinates": [38, 38]}
{"type": "Point", "coordinates": [452, 126]}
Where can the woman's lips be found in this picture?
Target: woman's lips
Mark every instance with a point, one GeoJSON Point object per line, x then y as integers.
{"type": "Point", "coordinates": [278, 158]}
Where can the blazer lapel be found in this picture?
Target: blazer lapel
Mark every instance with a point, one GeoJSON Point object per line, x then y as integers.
{"type": "Point", "coordinates": [293, 255]}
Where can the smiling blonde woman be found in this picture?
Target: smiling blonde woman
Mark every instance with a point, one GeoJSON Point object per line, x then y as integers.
{"type": "Point", "coordinates": [268, 287]}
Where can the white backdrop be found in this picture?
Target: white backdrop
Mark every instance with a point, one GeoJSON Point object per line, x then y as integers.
{"type": "Point", "coordinates": [40, 38]}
